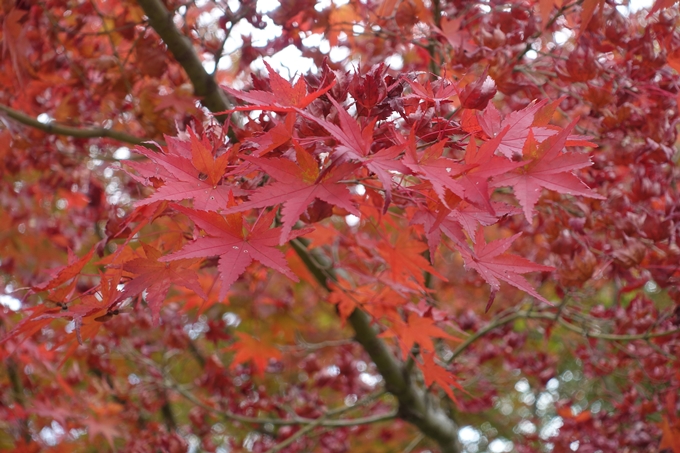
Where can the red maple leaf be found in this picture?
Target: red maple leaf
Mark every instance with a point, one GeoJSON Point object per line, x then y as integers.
{"type": "Point", "coordinates": [284, 97]}
{"type": "Point", "coordinates": [548, 168]}
{"type": "Point", "coordinates": [493, 264]}
{"type": "Point", "coordinates": [484, 165]}
{"type": "Point", "coordinates": [356, 143]}
{"type": "Point", "coordinates": [279, 135]}
{"type": "Point", "coordinates": [438, 92]}
{"type": "Point", "coordinates": [437, 221]}
{"type": "Point", "coordinates": [457, 34]}
{"type": "Point", "coordinates": [435, 374]}
{"type": "Point", "coordinates": [104, 422]}
{"type": "Point", "coordinates": [477, 94]}
{"type": "Point", "coordinates": [235, 243]}
{"type": "Point", "coordinates": [297, 185]}
{"type": "Point", "coordinates": [90, 306]}
{"type": "Point", "coordinates": [65, 273]}
{"type": "Point", "coordinates": [189, 172]}
{"type": "Point", "coordinates": [156, 277]}
{"type": "Point", "coordinates": [417, 330]}
{"type": "Point", "coordinates": [439, 171]}
{"type": "Point", "coordinates": [470, 217]}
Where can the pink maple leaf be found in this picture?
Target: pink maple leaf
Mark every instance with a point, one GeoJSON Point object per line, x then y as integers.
{"type": "Point", "coordinates": [189, 172]}
{"type": "Point", "coordinates": [284, 97]}
{"type": "Point", "coordinates": [549, 168]}
{"type": "Point", "coordinates": [494, 265]}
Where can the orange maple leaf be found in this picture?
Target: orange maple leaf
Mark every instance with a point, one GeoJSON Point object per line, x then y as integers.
{"type": "Point", "coordinates": [254, 350]}
{"type": "Point", "coordinates": [435, 374]}
{"type": "Point", "coordinates": [416, 330]}
{"type": "Point", "coordinates": [404, 259]}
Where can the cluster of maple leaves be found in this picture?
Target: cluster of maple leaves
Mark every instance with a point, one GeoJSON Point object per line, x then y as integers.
{"type": "Point", "coordinates": [407, 188]}
{"type": "Point", "coordinates": [445, 193]}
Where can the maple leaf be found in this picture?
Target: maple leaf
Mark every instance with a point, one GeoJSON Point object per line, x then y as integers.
{"type": "Point", "coordinates": [355, 144]}
{"type": "Point", "coordinates": [435, 374]}
{"type": "Point", "coordinates": [439, 171]}
{"type": "Point", "coordinates": [518, 125]}
{"type": "Point", "coordinates": [235, 244]}
{"type": "Point", "coordinates": [483, 165]}
{"type": "Point", "coordinates": [493, 264]}
{"type": "Point", "coordinates": [155, 278]}
{"type": "Point", "coordinates": [457, 35]}
{"type": "Point", "coordinates": [180, 100]}
{"type": "Point", "coordinates": [296, 186]}
{"type": "Point", "coordinates": [284, 97]}
{"type": "Point", "coordinates": [279, 135]}
{"type": "Point", "coordinates": [436, 222]}
{"type": "Point", "coordinates": [254, 350]}
{"type": "Point", "coordinates": [65, 273]}
{"type": "Point", "coordinates": [545, 7]}
{"type": "Point", "coordinates": [89, 306]}
{"type": "Point", "coordinates": [15, 41]}
{"type": "Point", "coordinates": [104, 422]}
{"type": "Point", "coordinates": [31, 324]}
{"type": "Point", "coordinates": [404, 259]}
{"type": "Point", "coordinates": [439, 92]}
{"type": "Point", "coordinates": [418, 330]}
{"type": "Point", "coordinates": [566, 412]}
{"type": "Point", "coordinates": [347, 298]}
{"type": "Point", "coordinates": [477, 94]}
{"type": "Point", "coordinates": [470, 217]}
{"type": "Point", "coordinates": [548, 168]}
{"type": "Point", "coordinates": [189, 172]}
{"type": "Point", "coordinates": [587, 9]}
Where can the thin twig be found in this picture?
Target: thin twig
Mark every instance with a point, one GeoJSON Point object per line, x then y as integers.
{"type": "Point", "coordinates": [304, 430]}
{"type": "Point", "coordinates": [562, 322]}
{"type": "Point", "coordinates": [76, 132]}
{"type": "Point", "coordinates": [284, 422]}
{"type": "Point", "coordinates": [414, 443]}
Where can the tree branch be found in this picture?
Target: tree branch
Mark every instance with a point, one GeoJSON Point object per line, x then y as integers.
{"type": "Point", "coordinates": [76, 132]}
{"type": "Point", "coordinates": [205, 87]}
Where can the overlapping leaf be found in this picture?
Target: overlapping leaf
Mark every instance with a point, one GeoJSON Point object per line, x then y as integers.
{"type": "Point", "coordinates": [236, 244]}
{"type": "Point", "coordinates": [417, 330]}
{"type": "Point", "coordinates": [439, 171]}
{"type": "Point", "coordinates": [284, 97]}
{"type": "Point", "coordinates": [355, 145]}
{"type": "Point", "coordinates": [548, 168]}
{"type": "Point", "coordinates": [188, 171]}
{"type": "Point", "coordinates": [155, 277]}
{"type": "Point", "coordinates": [494, 265]}
{"type": "Point", "coordinates": [435, 374]}
{"type": "Point", "coordinates": [253, 350]}
{"type": "Point", "coordinates": [297, 185]}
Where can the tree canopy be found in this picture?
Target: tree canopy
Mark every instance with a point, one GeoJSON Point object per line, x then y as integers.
{"type": "Point", "coordinates": [339, 226]}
